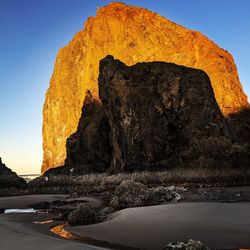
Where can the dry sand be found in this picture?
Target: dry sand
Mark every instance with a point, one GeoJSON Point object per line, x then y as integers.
{"type": "Point", "coordinates": [219, 225]}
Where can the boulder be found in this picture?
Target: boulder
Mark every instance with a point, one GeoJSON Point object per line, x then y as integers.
{"type": "Point", "coordinates": [82, 215]}
{"type": "Point", "coordinates": [130, 194]}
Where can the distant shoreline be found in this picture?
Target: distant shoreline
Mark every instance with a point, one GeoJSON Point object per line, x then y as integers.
{"type": "Point", "coordinates": [22, 175]}
{"type": "Point", "coordinates": [29, 177]}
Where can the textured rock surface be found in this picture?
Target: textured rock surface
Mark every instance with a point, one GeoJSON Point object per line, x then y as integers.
{"type": "Point", "coordinates": [239, 124]}
{"type": "Point", "coordinates": [82, 215]}
{"type": "Point", "coordinates": [132, 35]}
{"type": "Point", "coordinates": [89, 145]}
{"type": "Point", "coordinates": [160, 115]}
{"type": "Point", "coordinates": [8, 178]}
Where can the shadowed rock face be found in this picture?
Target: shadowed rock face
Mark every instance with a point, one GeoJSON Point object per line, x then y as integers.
{"type": "Point", "coordinates": [239, 124]}
{"type": "Point", "coordinates": [8, 178]}
{"type": "Point", "coordinates": [132, 35]}
{"type": "Point", "coordinates": [160, 114]}
{"type": "Point", "coordinates": [89, 145]}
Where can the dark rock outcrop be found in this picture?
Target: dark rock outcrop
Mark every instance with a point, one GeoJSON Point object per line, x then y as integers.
{"type": "Point", "coordinates": [239, 127]}
{"type": "Point", "coordinates": [9, 179]}
{"type": "Point", "coordinates": [239, 124]}
{"type": "Point", "coordinates": [89, 145]}
{"type": "Point", "coordinates": [161, 115]}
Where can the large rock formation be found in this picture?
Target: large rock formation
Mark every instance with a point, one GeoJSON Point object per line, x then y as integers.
{"type": "Point", "coordinates": [151, 115]}
{"type": "Point", "coordinates": [9, 179]}
{"type": "Point", "coordinates": [161, 115]}
{"type": "Point", "coordinates": [132, 35]}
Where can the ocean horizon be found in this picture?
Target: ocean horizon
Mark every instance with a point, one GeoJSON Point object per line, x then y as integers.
{"type": "Point", "coordinates": [29, 177]}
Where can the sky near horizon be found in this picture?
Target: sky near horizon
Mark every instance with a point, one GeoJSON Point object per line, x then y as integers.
{"type": "Point", "coordinates": [33, 31]}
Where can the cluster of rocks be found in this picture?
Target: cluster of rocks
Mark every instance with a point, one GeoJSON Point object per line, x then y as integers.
{"type": "Point", "coordinates": [128, 194]}
{"type": "Point", "coordinates": [151, 116]}
{"type": "Point", "coordinates": [86, 214]}
{"type": "Point", "coordinates": [135, 194]}
{"type": "Point", "coordinates": [77, 210]}
{"type": "Point", "coordinates": [9, 179]}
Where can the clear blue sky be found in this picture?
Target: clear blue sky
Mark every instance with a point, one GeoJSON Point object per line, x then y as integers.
{"type": "Point", "coordinates": [32, 31]}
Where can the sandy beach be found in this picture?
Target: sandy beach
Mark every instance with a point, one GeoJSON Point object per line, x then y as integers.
{"type": "Point", "coordinates": [19, 232]}
{"type": "Point", "coordinates": [218, 225]}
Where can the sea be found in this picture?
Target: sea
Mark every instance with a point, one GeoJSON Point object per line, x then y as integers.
{"type": "Point", "coordinates": [29, 177]}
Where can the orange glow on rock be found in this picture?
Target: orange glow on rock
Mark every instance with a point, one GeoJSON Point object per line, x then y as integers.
{"type": "Point", "coordinates": [132, 35]}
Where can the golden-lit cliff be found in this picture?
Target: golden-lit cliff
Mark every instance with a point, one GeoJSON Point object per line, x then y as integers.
{"type": "Point", "coordinates": [132, 35]}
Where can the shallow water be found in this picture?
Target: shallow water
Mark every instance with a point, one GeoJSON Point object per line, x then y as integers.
{"type": "Point", "coordinates": [15, 211]}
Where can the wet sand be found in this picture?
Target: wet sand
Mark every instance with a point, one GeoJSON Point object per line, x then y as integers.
{"type": "Point", "coordinates": [23, 201]}
{"type": "Point", "coordinates": [218, 225]}
{"type": "Point", "coordinates": [19, 232]}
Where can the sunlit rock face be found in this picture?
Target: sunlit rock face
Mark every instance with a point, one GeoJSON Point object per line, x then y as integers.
{"type": "Point", "coordinates": [132, 35]}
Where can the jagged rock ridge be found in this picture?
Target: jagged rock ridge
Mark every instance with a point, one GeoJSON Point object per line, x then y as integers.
{"type": "Point", "coordinates": [132, 35]}
{"type": "Point", "coordinates": [8, 178]}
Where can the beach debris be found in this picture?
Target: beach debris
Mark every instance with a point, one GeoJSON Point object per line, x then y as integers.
{"type": "Point", "coordinates": [190, 245]}
{"type": "Point", "coordinates": [43, 222]}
